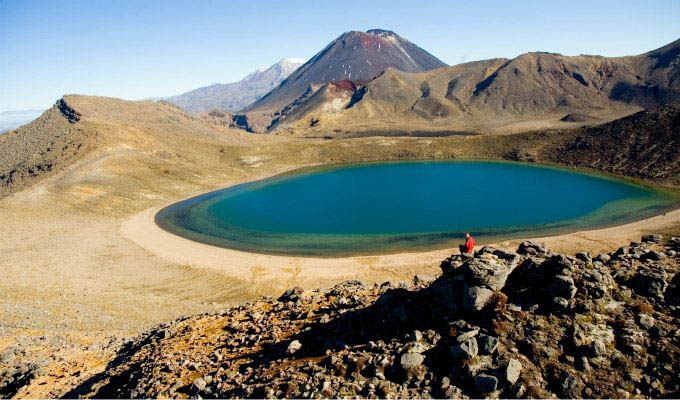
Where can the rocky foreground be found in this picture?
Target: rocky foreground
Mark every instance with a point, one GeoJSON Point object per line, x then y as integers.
{"type": "Point", "coordinates": [529, 323]}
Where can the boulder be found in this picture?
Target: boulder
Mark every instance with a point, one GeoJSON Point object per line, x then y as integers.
{"type": "Point", "coordinates": [558, 264]}
{"type": "Point", "coordinates": [199, 384]}
{"type": "Point", "coordinates": [486, 250]}
{"type": "Point", "coordinates": [419, 280]}
{"type": "Point", "coordinates": [562, 286]}
{"type": "Point", "coordinates": [559, 304]}
{"type": "Point", "coordinates": [646, 321]}
{"type": "Point", "coordinates": [410, 361]}
{"type": "Point", "coordinates": [293, 347]}
{"type": "Point", "coordinates": [476, 297]}
{"type": "Point", "coordinates": [622, 251]}
{"type": "Point", "coordinates": [512, 371]}
{"type": "Point", "coordinates": [501, 254]}
{"type": "Point", "coordinates": [445, 383]}
{"type": "Point", "coordinates": [480, 272]}
{"type": "Point", "coordinates": [291, 295]}
{"type": "Point", "coordinates": [583, 256]}
{"type": "Point", "coordinates": [603, 258]}
{"type": "Point", "coordinates": [462, 337]}
{"type": "Point", "coordinates": [594, 338]}
{"type": "Point", "coordinates": [570, 386]}
{"type": "Point", "coordinates": [451, 263]}
{"type": "Point", "coordinates": [487, 344]}
{"type": "Point", "coordinates": [674, 243]}
{"type": "Point", "coordinates": [532, 248]}
{"type": "Point", "coordinates": [652, 238]}
{"type": "Point", "coordinates": [549, 282]}
{"type": "Point", "coordinates": [465, 350]}
{"type": "Point", "coordinates": [583, 364]}
{"type": "Point", "coordinates": [652, 255]}
{"type": "Point", "coordinates": [454, 392]}
{"type": "Point", "coordinates": [598, 348]}
{"type": "Point", "coordinates": [648, 282]}
{"type": "Point", "coordinates": [486, 383]}
{"type": "Point", "coordinates": [477, 365]}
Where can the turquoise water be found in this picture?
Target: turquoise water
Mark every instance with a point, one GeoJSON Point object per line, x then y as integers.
{"type": "Point", "coordinates": [398, 206]}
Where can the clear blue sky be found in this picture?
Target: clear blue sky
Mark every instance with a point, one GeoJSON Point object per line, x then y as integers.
{"type": "Point", "coordinates": [138, 49]}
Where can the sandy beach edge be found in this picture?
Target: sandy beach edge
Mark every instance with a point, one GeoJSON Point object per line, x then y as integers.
{"type": "Point", "coordinates": [142, 229]}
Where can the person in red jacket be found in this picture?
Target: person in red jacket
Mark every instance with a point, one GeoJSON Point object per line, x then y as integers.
{"type": "Point", "coordinates": [469, 245]}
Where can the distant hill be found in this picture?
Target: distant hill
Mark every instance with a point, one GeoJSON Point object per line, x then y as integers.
{"type": "Point", "coordinates": [532, 91]}
{"type": "Point", "coordinates": [51, 142]}
{"type": "Point", "coordinates": [356, 56]}
{"type": "Point", "coordinates": [237, 95]}
{"type": "Point", "coordinates": [644, 145]}
{"type": "Point", "coordinates": [82, 127]}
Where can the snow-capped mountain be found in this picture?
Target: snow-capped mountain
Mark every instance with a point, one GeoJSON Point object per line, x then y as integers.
{"type": "Point", "coordinates": [237, 95]}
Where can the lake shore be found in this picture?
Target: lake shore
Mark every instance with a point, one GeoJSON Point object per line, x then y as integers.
{"type": "Point", "coordinates": [142, 229]}
{"type": "Point", "coordinates": [410, 214]}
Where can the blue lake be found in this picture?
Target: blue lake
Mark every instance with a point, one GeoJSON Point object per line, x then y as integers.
{"type": "Point", "coordinates": [403, 206]}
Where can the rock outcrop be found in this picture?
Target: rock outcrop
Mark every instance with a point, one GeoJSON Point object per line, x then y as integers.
{"type": "Point", "coordinates": [530, 323]}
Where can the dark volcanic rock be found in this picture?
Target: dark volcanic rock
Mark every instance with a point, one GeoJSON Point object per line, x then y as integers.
{"type": "Point", "coordinates": [650, 282]}
{"type": "Point", "coordinates": [291, 295]}
{"type": "Point", "coordinates": [652, 238]}
{"type": "Point", "coordinates": [532, 248]}
{"type": "Point", "coordinates": [479, 272]}
{"type": "Point", "coordinates": [537, 336]}
{"type": "Point", "coordinates": [562, 286]}
{"type": "Point", "coordinates": [466, 350]}
{"type": "Point", "coordinates": [476, 297]}
{"type": "Point", "coordinates": [486, 383]}
{"type": "Point", "coordinates": [487, 344]}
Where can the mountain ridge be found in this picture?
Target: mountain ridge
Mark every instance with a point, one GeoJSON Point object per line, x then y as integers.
{"type": "Point", "coordinates": [236, 95]}
{"type": "Point", "coordinates": [490, 94]}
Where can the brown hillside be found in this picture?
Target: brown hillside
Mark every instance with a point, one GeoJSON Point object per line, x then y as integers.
{"type": "Point", "coordinates": [47, 144]}
{"type": "Point", "coordinates": [81, 128]}
{"type": "Point", "coordinates": [532, 91]}
{"type": "Point", "coordinates": [644, 145]}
